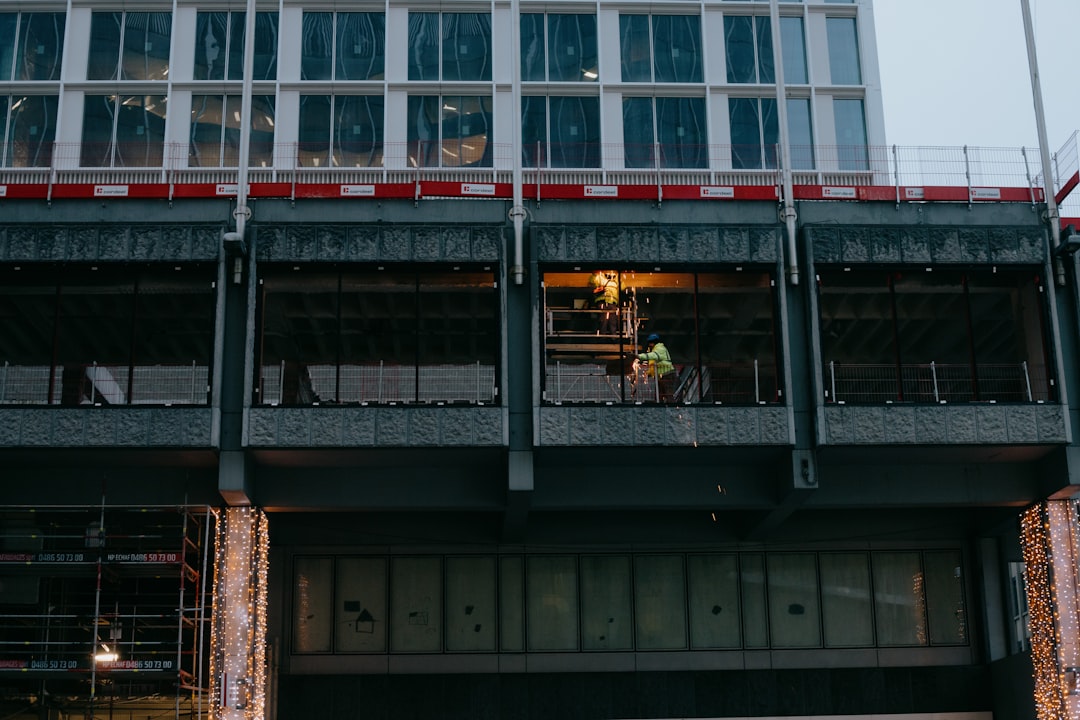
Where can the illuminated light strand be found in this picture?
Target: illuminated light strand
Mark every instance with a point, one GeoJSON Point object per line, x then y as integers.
{"type": "Point", "coordinates": [1042, 616]}
{"type": "Point", "coordinates": [238, 632]}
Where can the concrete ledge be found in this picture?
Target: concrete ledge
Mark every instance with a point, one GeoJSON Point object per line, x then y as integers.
{"type": "Point", "coordinates": [117, 242]}
{"type": "Point", "coordinates": [943, 425]}
{"type": "Point", "coordinates": [398, 242]}
{"type": "Point", "coordinates": [129, 427]}
{"type": "Point", "coordinates": [376, 427]}
{"type": "Point", "coordinates": [670, 243]}
{"type": "Point", "coordinates": [681, 425]}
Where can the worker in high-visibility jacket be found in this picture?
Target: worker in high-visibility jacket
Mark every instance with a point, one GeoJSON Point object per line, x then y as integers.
{"type": "Point", "coordinates": [659, 366]}
{"type": "Point", "coordinates": [605, 299]}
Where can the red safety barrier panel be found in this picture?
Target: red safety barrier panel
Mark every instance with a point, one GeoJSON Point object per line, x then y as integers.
{"type": "Point", "coordinates": [1067, 188]}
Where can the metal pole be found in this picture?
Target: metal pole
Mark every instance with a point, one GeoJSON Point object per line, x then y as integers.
{"type": "Point", "coordinates": [1040, 123]}
{"type": "Point", "coordinates": [517, 213]}
{"type": "Point", "coordinates": [933, 376]}
{"type": "Point", "coordinates": [788, 211]}
{"type": "Point", "coordinates": [242, 211]}
{"type": "Point", "coordinates": [832, 376]}
{"type": "Point", "coordinates": [1027, 379]}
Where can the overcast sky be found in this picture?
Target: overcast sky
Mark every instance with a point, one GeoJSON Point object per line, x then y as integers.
{"type": "Point", "coordinates": [955, 72]}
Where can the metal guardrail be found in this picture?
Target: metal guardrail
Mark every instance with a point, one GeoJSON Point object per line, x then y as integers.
{"type": "Point", "coordinates": [95, 384]}
{"type": "Point", "coordinates": [716, 383]}
{"type": "Point", "coordinates": [379, 383]}
{"type": "Point", "coordinates": [388, 163]}
{"type": "Point", "coordinates": [932, 383]}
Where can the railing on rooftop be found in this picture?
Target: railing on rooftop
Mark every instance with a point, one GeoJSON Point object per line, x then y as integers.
{"type": "Point", "coordinates": [379, 383]}
{"type": "Point", "coordinates": [750, 383]}
{"type": "Point", "coordinates": [483, 169]}
{"type": "Point", "coordinates": [104, 384]}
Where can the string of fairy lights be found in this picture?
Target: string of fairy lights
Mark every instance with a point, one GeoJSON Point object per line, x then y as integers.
{"type": "Point", "coordinates": [238, 632]}
{"type": "Point", "coordinates": [1036, 536]}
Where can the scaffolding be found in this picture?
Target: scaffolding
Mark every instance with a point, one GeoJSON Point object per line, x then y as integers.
{"type": "Point", "coordinates": [104, 612]}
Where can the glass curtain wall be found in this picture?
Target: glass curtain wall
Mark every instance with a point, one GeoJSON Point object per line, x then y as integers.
{"type": "Point", "coordinates": [620, 602]}
{"type": "Point", "coordinates": [380, 337]}
{"type": "Point", "coordinates": [948, 336]}
{"type": "Point", "coordinates": [116, 337]}
{"type": "Point", "coordinates": [717, 329]}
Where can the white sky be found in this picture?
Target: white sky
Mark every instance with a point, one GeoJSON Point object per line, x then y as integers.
{"type": "Point", "coordinates": [955, 72]}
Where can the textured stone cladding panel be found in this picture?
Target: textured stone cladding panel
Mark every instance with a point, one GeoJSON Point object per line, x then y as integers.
{"type": "Point", "coordinates": [456, 244]}
{"type": "Point", "coordinates": [206, 242]}
{"type": "Point", "coordinates": [945, 424]}
{"type": "Point", "coordinates": [915, 244]}
{"type": "Point", "coordinates": [885, 246]}
{"type": "Point", "coordinates": [363, 244]}
{"type": "Point", "coordinates": [974, 244]}
{"type": "Point", "coordinates": [21, 243]}
{"type": "Point", "coordinates": [644, 243]}
{"type": "Point", "coordinates": [673, 425]}
{"type": "Point", "coordinates": [83, 243]}
{"type": "Point", "coordinates": [1051, 423]}
{"type": "Point", "coordinates": [855, 244]}
{"type": "Point", "coordinates": [370, 426]}
{"type": "Point", "coordinates": [303, 243]}
{"type": "Point", "coordinates": [825, 243]}
{"type": "Point", "coordinates": [395, 243]}
{"type": "Point", "coordinates": [602, 243]}
{"type": "Point", "coordinates": [426, 243]}
{"type": "Point", "coordinates": [674, 244]}
{"type": "Point", "coordinates": [114, 243]}
{"type": "Point", "coordinates": [704, 245]}
{"type": "Point", "coordinates": [143, 242]}
{"type": "Point", "coordinates": [734, 244]}
{"type": "Point", "coordinates": [550, 245]}
{"type": "Point", "coordinates": [764, 244]}
{"type": "Point", "coordinates": [105, 427]}
{"type": "Point", "coordinates": [52, 243]}
{"type": "Point", "coordinates": [333, 240]}
{"type": "Point", "coordinates": [487, 243]}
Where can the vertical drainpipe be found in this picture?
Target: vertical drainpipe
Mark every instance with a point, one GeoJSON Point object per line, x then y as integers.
{"type": "Point", "coordinates": [242, 211]}
{"type": "Point", "coordinates": [788, 211]}
{"type": "Point", "coordinates": [1044, 148]}
{"type": "Point", "coordinates": [517, 213]}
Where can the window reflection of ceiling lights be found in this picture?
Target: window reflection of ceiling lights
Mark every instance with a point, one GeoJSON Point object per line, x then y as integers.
{"type": "Point", "coordinates": [589, 74]}
{"type": "Point", "coordinates": [451, 108]}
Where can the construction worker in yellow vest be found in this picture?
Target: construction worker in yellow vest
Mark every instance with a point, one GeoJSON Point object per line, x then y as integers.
{"type": "Point", "coordinates": [659, 366]}
{"type": "Point", "coordinates": [605, 298]}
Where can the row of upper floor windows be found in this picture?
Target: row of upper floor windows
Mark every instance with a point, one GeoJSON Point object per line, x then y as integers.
{"type": "Point", "coordinates": [433, 46]}
{"type": "Point", "coordinates": [291, 129]}
{"type": "Point", "coordinates": [406, 335]}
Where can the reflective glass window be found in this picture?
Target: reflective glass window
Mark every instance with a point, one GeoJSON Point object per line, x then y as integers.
{"type": "Point", "coordinates": [378, 337]}
{"type": "Point", "coordinates": [755, 133]}
{"type": "Point", "coordinates": [749, 48]}
{"type": "Point", "coordinates": [123, 130]}
{"type": "Point", "coordinates": [313, 605]}
{"type": "Point", "coordinates": [800, 133]}
{"type": "Point", "coordinates": [450, 46]}
{"type": "Point", "coordinates": [551, 601]}
{"type": "Point", "coordinates": [106, 337]}
{"type": "Point", "coordinates": [606, 613]}
{"type": "Point", "coordinates": [714, 601]}
{"type": "Point", "coordinates": [899, 603]}
{"type": "Point", "coordinates": [851, 150]}
{"type": "Point", "coordinates": [846, 612]}
{"type": "Point", "coordinates": [574, 124]}
{"type": "Point", "coordinates": [679, 134]}
{"type": "Point", "coordinates": [794, 610]}
{"type": "Point", "coordinates": [793, 45]}
{"type": "Point", "coordinates": [343, 46]}
{"type": "Point", "coordinates": [450, 131]}
{"type": "Point", "coordinates": [945, 608]}
{"type": "Point", "coordinates": [341, 130]}
{"type": "Point", "coordinates": [843, 38]}
{"type": "Point", "coordinates": [661, 48]}
{"type": "Point", "coordinates": [9, 23]}
{"type": "Point", "coordinates": [29, 130]}
{"type": "Point", "coordinates": [559, 48]}
{"type": "Point", "coordinates": [129, 46]}
{"type": "Point", "coordinates": [660, 602]}
{"type": "Point", "coordinates": [470, 604]}
{"type": "Point", "coordinates": [717, 331]}
{"type": "Point", "coordinates": [215, 131]}
{"type": "Point", "coordinates": [219, 46]}
{"type": "Point", "coordinates": [31, 46]}
{"type": "Point", "coordinates": [416, 604]}
{"type": "Point", "coordinates": [362, 613]}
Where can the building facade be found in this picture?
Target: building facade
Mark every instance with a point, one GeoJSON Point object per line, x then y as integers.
{"type": "Point", "coordinates": [631, 376]}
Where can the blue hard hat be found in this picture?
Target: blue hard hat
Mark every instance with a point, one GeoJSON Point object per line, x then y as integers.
{"type": "Point", "coordinates": [653, 338]}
